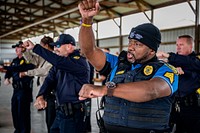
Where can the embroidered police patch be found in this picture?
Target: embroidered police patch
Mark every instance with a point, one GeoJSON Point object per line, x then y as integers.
{"type": "Point", "coordinates": [148, 70]}
{"type": "Point", "coordinates": [173, 68]}
{"type": "Point", "coordinates": [198, 91]}
{"type": "Point", "coordinates": [170, 76]}
{"type": "Point", "coordinates": [135, 35]}
{"type": "Point", "coordinates": [76, 57]}
{"type": "Point", "coordinates": [21, 62]}
{"type": "Point", "coordinates": [198, 56]}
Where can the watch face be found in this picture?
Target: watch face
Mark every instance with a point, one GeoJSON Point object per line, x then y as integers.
{"type": "Point", "coordinates": [110, 85]}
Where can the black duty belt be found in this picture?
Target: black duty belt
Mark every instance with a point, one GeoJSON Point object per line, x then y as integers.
{"type": "Point", "coordinates": [190, 100]}
{"type": "Point", "coordinates": [21, 85]}
{"type": "Point", "coordinates": [17, 85]}
{"type": "Point", "coordinates": [69, 108]}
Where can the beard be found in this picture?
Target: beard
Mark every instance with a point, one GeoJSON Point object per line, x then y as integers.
{"type": "Point", "coordinates": [144, 58]}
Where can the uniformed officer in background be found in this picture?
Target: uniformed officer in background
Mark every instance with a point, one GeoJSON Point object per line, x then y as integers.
{"type": "Point", "coordinates": [69, 72]}
{"type": "Point", "coordinates": [186, 110]}
{"type": "Point", "coordinates": [41, 72]}
{"type": "Point", "coordinates": [138, 94]}
{"type": "Point", "coordinates": [22, 93]}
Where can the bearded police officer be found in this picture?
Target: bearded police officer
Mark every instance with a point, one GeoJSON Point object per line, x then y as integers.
{"type": "Point", "coordinates": [139, 88]}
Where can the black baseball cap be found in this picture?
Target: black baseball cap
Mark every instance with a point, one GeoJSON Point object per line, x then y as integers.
{"type": "Point", "coordinates": [64, 39]}
{"type": "Point", "coordinates": [18, 44]}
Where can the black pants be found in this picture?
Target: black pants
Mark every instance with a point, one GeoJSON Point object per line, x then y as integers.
{"type": "Point", "coordinates": [69, 124]}
{"type": "Point", "coordinates": [50, 112]}
{"type": "Point", "coordinates": [21, 112]}
{"type": "Point", "coordinates": [188, 120]}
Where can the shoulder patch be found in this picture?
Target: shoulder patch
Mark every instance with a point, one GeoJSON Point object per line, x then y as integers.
{"type": "Point", "coordinates": [21, 62]}
{"type": "Point", "coordinates": [76, 57]}
{"type": "Point", "coordinates": [198, 56]}
{"type": "Point", "coordinates": [170, 76]}
{"type": "Point", "coordinates": [198, 91]}
{"type": "Point", "coordinates": [148, 70]}
{"type": "Point", "coordinates": [172, 68]}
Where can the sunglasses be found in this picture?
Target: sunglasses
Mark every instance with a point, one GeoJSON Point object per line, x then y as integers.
{"type": "Point", "coordinates": [57, 46]}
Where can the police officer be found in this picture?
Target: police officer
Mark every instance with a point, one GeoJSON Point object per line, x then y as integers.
{"type": "Point", "coordinates": [69, 72]}
{"type": "Point", "coordinates": [139, 88]}
{"type": "Point", "coordinates": [22, 94]}
{"type": "Point", "coordinates": [186, 109]}
{"type": "Point", "coordinates": [41, 71]}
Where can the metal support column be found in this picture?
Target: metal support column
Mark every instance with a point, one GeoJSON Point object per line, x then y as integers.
{"type": "Point", "coordinates": [197, 27]}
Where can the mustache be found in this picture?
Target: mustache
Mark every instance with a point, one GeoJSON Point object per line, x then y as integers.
{"type": "Point", "coordinates": [129, 52]}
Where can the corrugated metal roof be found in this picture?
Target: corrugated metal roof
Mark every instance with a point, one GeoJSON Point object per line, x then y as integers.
{"type": "Point", "coordinates": [27, 18]}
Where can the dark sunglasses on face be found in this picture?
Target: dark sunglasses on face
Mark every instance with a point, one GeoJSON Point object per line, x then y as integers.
{"type": "Point", "coordinates": [57, 46]}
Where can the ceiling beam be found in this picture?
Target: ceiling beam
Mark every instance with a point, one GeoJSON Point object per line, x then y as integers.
{"type": "Point", "coordinates": [40, 22]}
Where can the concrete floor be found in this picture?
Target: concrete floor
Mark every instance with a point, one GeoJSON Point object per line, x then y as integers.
{"type": "Point", "coordinates": [38, 124]}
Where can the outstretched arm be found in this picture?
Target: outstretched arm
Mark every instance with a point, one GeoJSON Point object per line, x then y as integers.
{"type": "Point", "coordinates": [134, 91]}
{"type": "Point", "coordinates": [88, 9]}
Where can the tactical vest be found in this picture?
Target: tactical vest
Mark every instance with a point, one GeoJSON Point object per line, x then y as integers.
{"type": "Point", "coordinates": [153, 114]}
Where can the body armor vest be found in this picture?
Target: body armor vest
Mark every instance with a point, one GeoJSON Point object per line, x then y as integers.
{"type": "Point", "coordinates": [146, 115]}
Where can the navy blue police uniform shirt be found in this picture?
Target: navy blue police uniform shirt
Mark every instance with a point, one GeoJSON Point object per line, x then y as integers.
{"type": "Point", "coordinates": [189, 82]}
{"type": "Point", "coordinates": [18, 65]}
{"type": "Point", "coordinates": [67, 75]}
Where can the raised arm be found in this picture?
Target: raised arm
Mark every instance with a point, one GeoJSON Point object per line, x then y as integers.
{"type": "Point", "coordinates": [96, 56]}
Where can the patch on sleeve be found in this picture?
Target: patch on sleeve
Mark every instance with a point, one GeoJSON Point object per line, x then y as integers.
{"type": "Point", "coordinates": [172, 68]}
{"type": "Point", "coordinates": [21, 62]}
{"type": "Point", "coordinates": [76, 57]}
{"type": "Point", "coordinates": [170, 76]}
{"type": "Point", "coordinates": [198, 56]}
{"type": "Point", "coordinates": [148, 70]}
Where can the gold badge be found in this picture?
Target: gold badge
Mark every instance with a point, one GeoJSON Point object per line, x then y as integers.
{"type": "Point", "coordinates": [170, 76]}
{"type": "Point", "coordinates": [120, 72]}
{"type": "Point", "coordinates": [21, 62]}
{"type": "Point", "coordinates": [76, 57]}
{"type": "Point", "coordinates": [148, 70]}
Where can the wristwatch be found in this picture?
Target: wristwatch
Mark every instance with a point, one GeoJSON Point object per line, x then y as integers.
{"type": "Point", "coordinates": [111, 86]}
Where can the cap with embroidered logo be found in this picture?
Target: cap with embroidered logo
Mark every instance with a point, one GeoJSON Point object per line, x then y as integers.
{"type": "Point", "coordinates": [148, 34]}
{"type": "Point", "coordinates": [64, 39]}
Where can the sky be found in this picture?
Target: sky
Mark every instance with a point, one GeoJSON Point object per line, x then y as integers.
{"type": "Point", "coordinates": [178, 15]}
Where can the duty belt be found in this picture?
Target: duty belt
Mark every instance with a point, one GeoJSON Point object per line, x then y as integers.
{"type": "Point", "coordinates": [190, 100]}
{"type": "Point", "coordinates": [17, 85]}
{"type": "Point", "coordinates": [69, 108]}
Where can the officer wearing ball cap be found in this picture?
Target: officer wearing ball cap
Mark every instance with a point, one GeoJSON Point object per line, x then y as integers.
{"type": "Point", "coordinates": [139, 89]}
{"type": "Point", "coordinates": [22, 90]}
{"type": "Point", "coordinates": [69, 72]}
{"type": "Point", "coordinates": [18, 44]}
